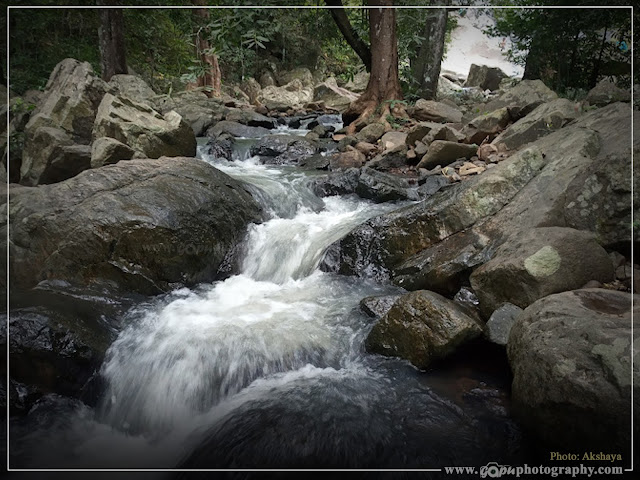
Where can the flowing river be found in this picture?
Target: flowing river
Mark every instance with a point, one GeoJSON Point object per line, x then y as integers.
{"type": "Point", "coordinates": [267, 369]}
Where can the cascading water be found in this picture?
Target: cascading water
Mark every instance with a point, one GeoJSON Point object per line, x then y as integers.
{"type": "Point", "coordinates": [267, 369]}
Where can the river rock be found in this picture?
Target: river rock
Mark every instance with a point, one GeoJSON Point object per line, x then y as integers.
{"type": "Point", "coordinates": [107, 150]}
{"type": "Point", "coordinates": [442, 132]}
{"type": "Point", "coordinates": [487, 125]}
{"type": "Point", "coordinates": [432, 111]}
{"type": "Point", "coordinates": [390, 159]}
{"type": "Point", "coordinates": [131, 86]}
{"type": "Point", "coordinates": [371, 133]}
{"type": "Point", "coordinates": [570, 354]}
{"type": "Point", "coordinates": [391, 140]}
{"type": "Point", "coordinates": [442, 152]}
{"type": "Point", "coordinates": [540, 122]}
{"type": "Point", "coordinates": [351, 158]}
{"type": "Point", "coordinates": [521, 99]}
{"type": "Point", "coordinates": [537, 263]}
{"type": "Point", "coordinates": [500, 323]}
{"type": "Point", "coordinates": [146, 131]}
{"type": "Point", "coordinates": [282, 149]}
{"type": "Point", "coordinates": [236, 130]}
{"type": "Point", "coordinates": [487, 78]}
{"type": "Point", "coordinates": [141, 225]}
{"type": "Point", "coordinates": [290, 96]}
{"type": "Point", "coordinates": [249, 117]}
{"type": "Point", "coordinates": [195, 108]}
{"type": "Point", "coordinates": [376, 307]}
{"type": "Point", "coordinates": [383, 187]}
{"type": "Point", "coordinates": [419, 131]}
{"type": "Point", "coordinates": [317, 161]}
{"type": "Point", "coordinates": [422, 327]}
{"type": "Point", "coordinates": [606, 92]}
{"type": "Point", "coordinates": [337, 183]}
{"type": "Point", "coordinates": [220, 147]}
{"type": "Point", "coordinates": [332, 95]}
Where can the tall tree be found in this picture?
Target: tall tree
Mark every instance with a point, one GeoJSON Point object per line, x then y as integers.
{"type": "Point", "coordinates": [426, 68]}
{"type": "Point", "coordinates": [350, 35]}
{"type": "Point", "coordinates": [210, 79]}
{"type": "Point", "coordinates": [384, 83]}
{"type": "Point", "coordinates": [112, 48]}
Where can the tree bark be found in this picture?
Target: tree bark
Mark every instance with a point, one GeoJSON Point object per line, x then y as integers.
{"type": "Point", "coordinates": [427, 66]}
{"type": "Point", "coordinates": [384, 83]}
{"type": "Point", "coordinates": [212, 78]}
{"type": "Point", "coordinates": [112, 48]}
{"type": "Point", "coordinates": [350, 35]}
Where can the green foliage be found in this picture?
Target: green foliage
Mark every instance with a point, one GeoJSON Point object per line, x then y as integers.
{"type": "Point", "coordinates": [569, 49]}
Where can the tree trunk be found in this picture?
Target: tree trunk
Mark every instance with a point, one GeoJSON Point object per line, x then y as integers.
{"type": "Point", "coordinates": [532, 66]}
{"type": "Point", "coordinates": [112, 49]}
{"type": "Point", "coordinates": [384, 83]}
{"type": "Point", "coordinates": [350, 35]}
{"type": "Point", "coordinates": [427, 65]}
{"type": "Point", "coordinates": [211, 80]}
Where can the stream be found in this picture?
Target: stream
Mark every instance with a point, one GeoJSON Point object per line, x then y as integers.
{"type": "Point", "coordinates": [267, 368]}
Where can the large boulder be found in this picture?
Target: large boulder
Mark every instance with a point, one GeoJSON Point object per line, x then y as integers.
{"type": "Point", "coordinates": [431, 111]}
{"type": "Point", "coordinates": [580, 179]}
{"type": "Point", "coordinates": [332, 95]}
{"type": "Point", "coordinates": [422, 327]}
{"type": "Point", "coordinates": [70, 102]}
{"type": "Point", "coordinates": [359, 82]}
{"type": "Point", "coordinates": [371, 133]}
{"type": "Point", "coordinates": [485, 77]}
{"type": "Point", "coordinates": [282, 149]}
{"type": "Point", "coordinates": [107, 150]}
{"type": "Point", "coordinates": [141, 225]}
{"type": "Point", "coordinates": [350, 158]}
{"type": "Point", "coordinates": [443, 152]}
{"type": "Point", "coordinates": [146, 131]}
{"type": "Point", "coordinates": [420, 130]}
{"type": "Point", "coordinates": [236, 129]}
{"type": "Point", "coordinates": [249, 117]}
{"type": "Point", "coordinates": [520, 100]}
{"type": "Point", "coordinates": [381, 244]}
{"type": "Point", "coordinates": [383, 187]}
{"type": "Point", "coordinates": [540, 122]}
{"type": "Point", "coordinates": [51, 156]}
{"type": "Point", "coordinates": [131, 86]}
{"type": "Point", "coordinates": [195, 108]}
{"type": "Point", "coordinates": [292, 95]}
{"type": "Point", "coordinates": [487, 125]}
{"type": "Point", "coordinates": [302, 74]}
{"type": "Point", "coordinates": [336, 183]}
{"type": "Point", "coordinates": [571, 355]}
{"type": "Point", "coordinates": [537, 263]}
{"type": "Point", "coordinates": [606, 92]}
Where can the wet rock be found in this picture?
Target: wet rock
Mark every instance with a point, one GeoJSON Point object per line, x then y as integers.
{"type": "Point", "coordinates": [283, 149]}
{"type": "Point", "coordinates": [422, 327]}
{"type": "Point", "coordinates": [487, 78]}
{"type": "Point", "coordinates": [500, 323]}
{"type": "Point", "coordinates": [537, 263]}
{"type": "Point", "coordinates": [570, 354]}
{"type": "Point", "coordinates": [607, 92]}
{"type": "Point", "coordinates": [220, 147]}
{"type": "Point", "coordinates": [352, 158]}
{"type": "Point", "coordinates": [442, 152]}
{"type": "Point", "coordinates": [431, 111]}
{"type": "Point", "coordinates": [236, 130]}
{"type": "Point", "coordinates": [140, 225]}
{"type": "Point", "coordinates": [540, 122]}
{"type": "Point", "coordinates": [338, 183]}
{"type": "Point", "coordinates": [382, 187]}
{"type": "Point", "coordinates": [146, 131]}
{"type": "Point", "coordinates": [332, 95]}
{"type": "Point", "coordinates": [376, 307]}
{"type": "Point", "coordinates": [249, 117]}
{"type": "Point", "coordinates": [131, 86]}
{"type": "Point", "coordinates": [106, 150]}
{"type": "Point", "coordinates": [315, 162]}
{"type": "Point", "coordinates": [371, 133]}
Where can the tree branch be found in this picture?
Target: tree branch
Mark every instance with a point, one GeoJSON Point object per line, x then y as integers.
{"type": "Point", "coordinates": [350, 35]}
